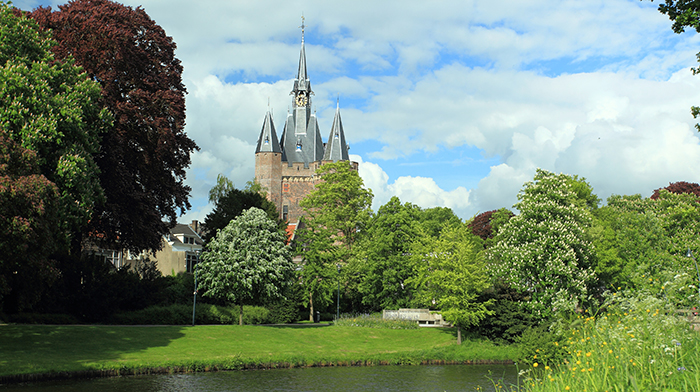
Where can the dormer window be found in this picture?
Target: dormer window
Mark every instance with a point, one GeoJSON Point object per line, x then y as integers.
{"type": "Point", "coordinates": [298, 145]}
{"type": "Point", "coordinates": [267, 140]}
{"type": "Point", "coordinates": [337, 134]}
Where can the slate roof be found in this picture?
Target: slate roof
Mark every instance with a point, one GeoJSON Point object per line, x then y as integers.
{"type": "Point", "coordinates": [336, 147]}
{"type": "Point", "coordinates": [267, 142]}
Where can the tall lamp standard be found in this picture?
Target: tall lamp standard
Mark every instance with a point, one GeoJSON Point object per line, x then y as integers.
{"type": "Point", "coordinates": [690, 254]}
{"type": "Point", "coordinates": [194, 270]}
{"type": "Point", "coordinates": [337, 303]}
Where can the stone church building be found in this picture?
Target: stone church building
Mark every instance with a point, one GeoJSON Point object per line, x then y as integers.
{"type": "Point", "coordinates": [286, 167]}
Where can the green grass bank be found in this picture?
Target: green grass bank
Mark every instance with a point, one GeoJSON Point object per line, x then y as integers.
{"type": "Point", "coordinates": [36, 352]}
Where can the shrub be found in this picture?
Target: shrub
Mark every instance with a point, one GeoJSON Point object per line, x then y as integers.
{"type": "Point", "coordinates": [374, 321]}
{"type": "Point", "coordinates": [180, 314]}
{"type": "Point", "coordinates": [41, 318]}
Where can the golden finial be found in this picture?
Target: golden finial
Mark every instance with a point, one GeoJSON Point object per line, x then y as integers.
{"type": "Point", "coordinates": [302, 26]}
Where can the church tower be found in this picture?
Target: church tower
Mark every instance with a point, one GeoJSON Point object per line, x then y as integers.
{"type": "Point", "coordinates": [286, 169]}
{"type": "Point", "coordinates": [301, 139]}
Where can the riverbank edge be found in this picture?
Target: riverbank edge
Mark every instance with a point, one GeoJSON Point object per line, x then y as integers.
{"type": "Point", "coordinates": [228, 366]}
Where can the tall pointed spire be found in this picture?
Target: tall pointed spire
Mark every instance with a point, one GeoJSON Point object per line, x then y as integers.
{"type": "Point", "coordinates": [302, 82]}
{"type": "Point", "coordinates": [267, 142]}
{"type": "Point", "coordinates": [336, 148]}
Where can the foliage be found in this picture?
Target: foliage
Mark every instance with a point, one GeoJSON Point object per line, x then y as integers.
{"type": "Point", "coordinates": [486, 224]}
{"type": "Point", "coordinates": [384, 265]}
{"type": "Point", "coordinates": [450, 274]}
{"type": "Point", "coordinates": [433, 220]}
{"type": "Point", "coordinates": [678, 187]}
{"type": "Point", "coordinates": [49, 129]}
{"type": "Point", "coordinates": [545, 251]}
{"type": "Point", "coordinates": [222, 187]}
{"type": "Point", "coordinates": [684, 13]}
{"type": "Point", "coordinates": [230, 203]}
{"type": "Point", "coordinates": [247, 262]}
{"type": "Point", "coordinates": [181, 314]}
{"type": "Point", "coordinates": [373, 321]}
{"type": "Point", "coordinates": [337, 212]}
{"type": "Point", "coordinates": [143, 156]}
{"type": "Point", "coordinates": [537, 344]}
{"type": "Point", "coordinates": [49, 108]}
{"type": "Point", "coordinates": [638, 344]}
{"type": "Point", "coordinates": [642, 244]}
{"type": "Point", "coordinates": [509, 320]}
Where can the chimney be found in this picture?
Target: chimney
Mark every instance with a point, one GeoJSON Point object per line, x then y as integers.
{"type": "Point", "coordinates": [195, 226]}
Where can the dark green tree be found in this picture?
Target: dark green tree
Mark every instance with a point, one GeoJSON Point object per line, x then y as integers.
{"type": "Point", "coordinates": [144, 155]}
{"type": "Point", "coordinates": [384, 263]}
{"type": "Point", "coordinates": [49, 130]}
{"type": "Point", "coordinates": [231, 202]}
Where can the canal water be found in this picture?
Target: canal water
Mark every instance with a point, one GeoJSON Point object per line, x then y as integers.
{"type": "Point", "coordinates": [337, 379]}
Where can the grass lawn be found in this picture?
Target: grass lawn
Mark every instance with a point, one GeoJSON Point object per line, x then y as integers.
{"type": "Point", "coordinates": [46, 349]}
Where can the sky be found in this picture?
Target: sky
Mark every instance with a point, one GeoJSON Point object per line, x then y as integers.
{"type": "Point", "coordinates": [451, 103]}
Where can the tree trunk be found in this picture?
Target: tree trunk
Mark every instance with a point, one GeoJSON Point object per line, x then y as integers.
{"type": "Point", "coordinates": [311, 307]}
{"type": "Point", "coordinates": [240, 316]}
{"type": "Point", "coordinates": [459, 334]}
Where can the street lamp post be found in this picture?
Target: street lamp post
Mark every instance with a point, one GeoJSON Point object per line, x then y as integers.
{"type": "Point", "coordinates": [337, 303]}
{"type": "Point", "coordinates": [194, 270]}
{"type": "Point", "coordinates": [690, 254]}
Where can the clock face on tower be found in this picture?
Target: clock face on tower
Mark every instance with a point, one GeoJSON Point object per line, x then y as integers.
{"type": "Point", "coordinates": [301, 99]}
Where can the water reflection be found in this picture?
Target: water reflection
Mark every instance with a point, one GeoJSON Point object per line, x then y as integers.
{"type": "Point", "coordinates": [378, 378]}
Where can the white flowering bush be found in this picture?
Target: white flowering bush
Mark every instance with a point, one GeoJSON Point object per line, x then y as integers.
{"type": "Point", "coordinates": [545, 251]}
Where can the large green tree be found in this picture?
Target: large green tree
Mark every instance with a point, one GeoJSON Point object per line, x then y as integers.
{"type": "Point", "coordinates": [49, 130]}
{"type": "Point", "coordinates": [337, 212]}
{"type": "Point", "coordinates": [247, 262]}
{"type": "Point", "coordinates": [384, 264]}
{"type": "Point", "coordinates": [143, 157]}
{"type": "Point", "coordinates": [451, 274]}
{"type": "Point", "coordinates": [641, 244]}
{"type": "Point", "coordinates": [546, 251]}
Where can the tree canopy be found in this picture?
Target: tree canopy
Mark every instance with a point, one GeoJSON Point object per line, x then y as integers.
{"type": "Point", "coordinates": [144, 154]}
{"type": "Point", "coordinates": [545, 251]}
{"type": "Point", "coordinates": [337, 211]}
{"type": "Point", "coordinates": [247, 262]}
{"type": "Point", "coordinates": [384, 264]}
{"type": "Point", "coordinates": [50, 125]}
{"type": "Point", "coordinates": [231, 202]}
{"type": "Point", "coordinates": [450, 275]}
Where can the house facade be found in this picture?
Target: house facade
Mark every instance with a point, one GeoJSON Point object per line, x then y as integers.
{"type": "Point", "coordinates": [181, 248]}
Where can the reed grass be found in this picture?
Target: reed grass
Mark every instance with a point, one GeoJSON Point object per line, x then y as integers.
{"type": "Point", "coordinates": [374, 321]}
{"type": "Point", "coordinates": [638, 345]}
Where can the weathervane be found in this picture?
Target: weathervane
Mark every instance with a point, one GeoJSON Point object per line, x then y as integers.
{"type": "Point", "coordinates": [302, 26]}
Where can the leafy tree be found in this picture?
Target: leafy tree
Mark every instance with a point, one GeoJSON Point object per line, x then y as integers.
{"type": "Point", "coordinates": [49, 129]}
{"type": "Point", "coordinates": [545, 251]}
{"type": "Point", "coordinates": [247, 262]}
{"type": "Point", "coordinates": [642, 244]}
{"type": "Point", "coordinates": [679, 187]}
{"type": "Point", "coordinates": [143, 156]}
{"type": "Point", "coordinates": [435, 219]}
{"type": "Point", "coordinates": [337, 211]}
{"type": "Point", "coordinates": [486, 224]}
{"type": "Point", "coordinates": [384, 265]}
{"type": "Point", "coordinates": [450, 275]}
{"type": "Point", "coordinates": [230, 203]}
{"type": "Point", "coordinates": [222, 187]}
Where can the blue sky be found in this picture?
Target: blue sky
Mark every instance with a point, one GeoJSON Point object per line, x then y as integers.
{"type": "Point", "coordinates": [445, 103]}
